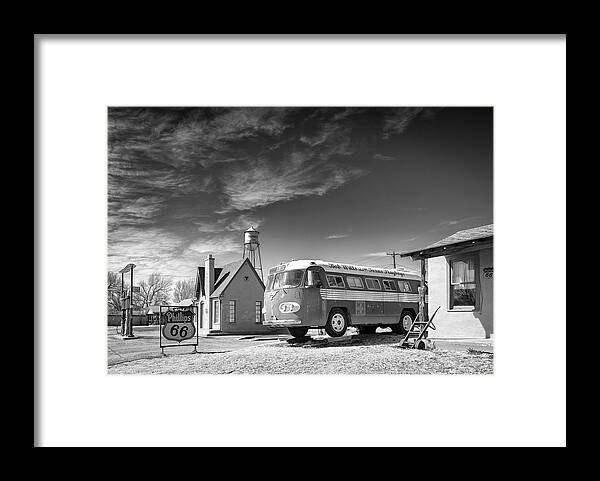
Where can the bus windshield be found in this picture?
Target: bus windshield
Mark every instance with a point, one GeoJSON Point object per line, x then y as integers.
{"type": "Point", "coordinates": [288, 279]}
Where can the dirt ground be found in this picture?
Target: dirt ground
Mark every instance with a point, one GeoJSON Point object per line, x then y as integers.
{"type": "Point", "coordinates": [146, 344]}
{"type": "Point", "coordinates": [374, 354]}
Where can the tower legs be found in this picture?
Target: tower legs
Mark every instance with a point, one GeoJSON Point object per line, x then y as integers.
{"type": "Point", "coordinates": [251, 255]}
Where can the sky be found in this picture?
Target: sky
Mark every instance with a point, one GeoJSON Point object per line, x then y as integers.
{"type": "Point", "coordinates": [338, 184]}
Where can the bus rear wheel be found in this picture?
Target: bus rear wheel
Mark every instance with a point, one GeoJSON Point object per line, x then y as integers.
{"type": "Point", "coordinates": [406, 320]}
{"type": "Point", "coordinates": [298, 331]}
{"type": "Point", "coordinates": [337, 323]}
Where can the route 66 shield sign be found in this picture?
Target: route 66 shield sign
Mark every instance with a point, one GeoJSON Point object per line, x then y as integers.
{"type": "Point", "coordinates": [178, 325]}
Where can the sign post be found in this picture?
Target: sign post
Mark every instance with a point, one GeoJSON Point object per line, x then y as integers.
{"type": "Point", "coordinates": [178, 324]}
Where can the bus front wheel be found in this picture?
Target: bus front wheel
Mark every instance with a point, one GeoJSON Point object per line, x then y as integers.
{"type": "Point", "coordinates": [337, 323]}
{"type": "Point", "coordinates": [298, 331]}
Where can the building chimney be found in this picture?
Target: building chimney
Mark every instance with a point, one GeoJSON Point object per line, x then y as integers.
{"type": "Point", "coordinates": [209, 275]}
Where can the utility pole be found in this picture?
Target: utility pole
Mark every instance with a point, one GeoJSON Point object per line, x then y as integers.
{"type": "Point", "coordinates": [393, 254]}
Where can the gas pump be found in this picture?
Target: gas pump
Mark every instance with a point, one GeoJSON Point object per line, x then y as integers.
{"type": "Point", "coordinates": [127, 302]}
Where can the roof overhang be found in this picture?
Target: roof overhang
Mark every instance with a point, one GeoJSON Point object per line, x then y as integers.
{"type": "Point", "coordinates": [127, 268]}
{"type": "Point", "coordinates": [448, 249]}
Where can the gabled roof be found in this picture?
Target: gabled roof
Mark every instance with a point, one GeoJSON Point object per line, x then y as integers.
{"type": "Point", "coordinates": [462, 237]}
{"type": "Point", "coordinates": [200, 280]}
{"type": "Point", "coordinates": [228, 273]}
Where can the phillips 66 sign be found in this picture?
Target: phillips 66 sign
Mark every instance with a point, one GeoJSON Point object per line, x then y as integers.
{"type": "Point", "coordinates": [178, 325]}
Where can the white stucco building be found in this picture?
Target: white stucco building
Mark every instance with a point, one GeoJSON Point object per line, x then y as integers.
{"type": "Point", "coordinates": [459, 274]}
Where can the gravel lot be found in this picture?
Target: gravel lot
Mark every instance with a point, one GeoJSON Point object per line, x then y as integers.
{"type": "Point", "coordinates": [376, 354]}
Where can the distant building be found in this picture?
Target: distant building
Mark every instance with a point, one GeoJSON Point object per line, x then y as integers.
{"type": "Point", "coordinates": [459, 272]}
{"type": "Point", "coordinates": [152, 314]}
{"type": "Point", "coordinates": [230, 298]}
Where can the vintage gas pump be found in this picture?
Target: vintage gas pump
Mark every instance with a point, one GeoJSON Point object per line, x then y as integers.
{"type": "Point", "coordinates": [127, 302]}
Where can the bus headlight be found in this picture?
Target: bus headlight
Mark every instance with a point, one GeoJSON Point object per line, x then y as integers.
{"type": "Point", "coordinates": [289, 307]}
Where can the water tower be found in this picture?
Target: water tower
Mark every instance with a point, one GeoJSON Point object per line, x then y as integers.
{"type": "Point", "coordinates": [252, 248]}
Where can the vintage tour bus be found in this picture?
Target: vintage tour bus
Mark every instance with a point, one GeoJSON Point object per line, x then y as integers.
{"type": "Point", "coordinates": [303, 294]}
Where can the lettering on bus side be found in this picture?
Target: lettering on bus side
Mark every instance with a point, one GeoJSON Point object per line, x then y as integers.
{"type": "Point", "coordinates": [360, 308]}
{"type": "Point", "coordinates": [374, 307]}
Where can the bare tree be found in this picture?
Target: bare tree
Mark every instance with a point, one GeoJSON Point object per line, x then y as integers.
{"type": "Point", "coordinates": [114, 292]}
{"type": "Point", "coordinates": [184, 290]}
{"type": "Point", "coordinates": [155, 290]}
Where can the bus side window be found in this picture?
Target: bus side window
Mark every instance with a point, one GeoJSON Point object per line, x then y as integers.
{"type": "Point", "coordinates": [336, 281]}
{"type": "Point", "coordinates": [354, 282]}
{"type": "Point", "coordinates": [404, 286]}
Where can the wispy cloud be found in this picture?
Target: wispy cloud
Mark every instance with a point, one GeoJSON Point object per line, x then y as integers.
{"type": "Point", "coordinates": [183, 182]}
{"type": "Point", "coordinates": [383, 157]}
{"type": "Point", "coordinates": [337, 236]}
{"type": "Point", "coordinates": [453, 222]}
{"type": "Point", "coordinates": [453, 225]}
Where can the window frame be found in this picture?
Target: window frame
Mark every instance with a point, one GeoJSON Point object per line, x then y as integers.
{"type": "Point", "coordinates": [232, 303]}
{"type": "Point", "coordinates": [258, 312]}
{"type": "Point", "coordinates": [312, 271]}
{"type": "Point", "coordinates": [372, 279]}
{"type": "Point", "coordinates": [336, 286]}
{"type": "Point", "coordinates": [362, 286]}
{"type": "Point", "coordinates": [458, 258]}
{"type": "Point", "coordinates": [401, 286]}
{"type": "Point", "coordinates": [288, 286]}
{"type": "Point", "coordinates": [216, 317]}
{"type": "Point", "coordinates": [391, 285]}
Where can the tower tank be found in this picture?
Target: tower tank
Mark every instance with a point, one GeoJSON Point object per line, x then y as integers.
{"type": "Point", "coordinates": [252, 248]}
{"type": "Point", "coordinates": [251, 239]}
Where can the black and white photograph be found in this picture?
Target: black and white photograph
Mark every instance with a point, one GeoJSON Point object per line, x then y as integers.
{"type": "Point", "coordinates": [282, 240]}
{"type": "Point", "coordinates": [299, 240]}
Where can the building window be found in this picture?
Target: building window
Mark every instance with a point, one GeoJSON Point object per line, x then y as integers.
{"type": "Point", "coordinates": [258, 312]}
{"type": "Point", "coordinates": [463, 282]}
{"type": "Point", "coordinates": [404, 286]}
{"type": "Point", "coordinates": [373, 284]}
{"type": "Point", "coordinates": [388, 285]}
{"type": "Point", "coordinates": [231, 311]}
{"type": "Point", "coordinates": [354, 282]}
{"type": "Point", "coordinates": [216, 312]}
{"type": "Point", "coordinates": [335, 281]}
